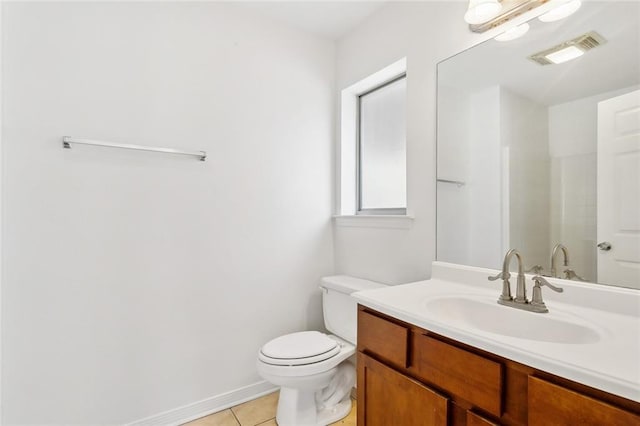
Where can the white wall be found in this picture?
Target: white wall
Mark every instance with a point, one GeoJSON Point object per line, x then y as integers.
{"type": "Point", "coordinates": [453, 230]}
{"type": "Point", "coordinates": [471, 152]}
{"type": "Point", "coordinates": [501, 154]}
{"type": "Point", "coordinates": [137, 282]}
{"type": "Point", "coordinates": [425, 33]}
{"type": "Point", "coordinates": [524, 129]}
{"type": "Point", "coordinates": [486, 173]}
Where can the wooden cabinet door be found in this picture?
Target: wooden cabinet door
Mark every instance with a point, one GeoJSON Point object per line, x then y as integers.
{"type": "Point", "coordinates": [554, 405]}
{"type": "Point", "coordinates": [386, 397]}
{"type": "Point", "coordinates": [474, 419]}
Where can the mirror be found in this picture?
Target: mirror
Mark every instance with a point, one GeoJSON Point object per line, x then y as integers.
{"type": "Point", "coordinates": [531, 155]}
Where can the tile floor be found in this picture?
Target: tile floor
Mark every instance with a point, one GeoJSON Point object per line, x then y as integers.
{"type": "Point", "coordinates": [261, 411]}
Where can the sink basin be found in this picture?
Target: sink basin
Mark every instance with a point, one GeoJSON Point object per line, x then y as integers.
{"type": "Point", "coordinates": [487, 315]}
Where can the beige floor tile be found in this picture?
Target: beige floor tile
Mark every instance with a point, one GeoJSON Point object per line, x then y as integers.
{"type": "Point", "coordinates": [257, 411]}
{"type": "Point", "coordinates": [271, 422]}
{"type": "Point", "coordinates": [350, 420]}
{"type": "Point", "coordinates": [222, 418]}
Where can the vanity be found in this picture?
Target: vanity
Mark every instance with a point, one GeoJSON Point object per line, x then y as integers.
{"type": "Point", "coordinates": [539, 160]}
{"type": "Point", "coordinates": [444, 352]}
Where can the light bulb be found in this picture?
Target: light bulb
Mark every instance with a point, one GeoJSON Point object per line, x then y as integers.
{"type": "Point", "coordinates": [481, 11]}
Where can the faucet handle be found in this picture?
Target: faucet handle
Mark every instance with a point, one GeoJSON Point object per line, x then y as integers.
{"type": "Point", "coordinates": [536, 301]}
{"type": "Point", "coordinates": [570, 274]}
{"type": "Point", "coordinates": [506, 285]}
{"type": "Point", "coordinates": [536, 269]}
{"type": "Point", "coordinates": [500, 276]}
{"type": "Point", "coordinates": [541, 281]}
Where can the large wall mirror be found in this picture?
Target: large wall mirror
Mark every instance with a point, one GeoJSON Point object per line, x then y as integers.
{"type": "Point", "coordinates": [533, 155]}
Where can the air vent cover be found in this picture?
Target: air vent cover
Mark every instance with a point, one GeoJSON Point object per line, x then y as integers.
{"type": "Point", "coordinates": [584, 42]}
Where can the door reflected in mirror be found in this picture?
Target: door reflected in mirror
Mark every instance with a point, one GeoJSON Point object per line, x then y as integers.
{"type": "Point", "coordinates": [532, 154]}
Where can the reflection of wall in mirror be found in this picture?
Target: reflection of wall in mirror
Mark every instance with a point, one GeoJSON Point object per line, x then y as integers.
{"type": "Point", "coordinates": [453, 163]}
{"type": "Point", "coordinates": [542, 159]}
{"type": "Point", "coordinates": [465, 235]}
{"type": "Point", "coordinates": [573, 147]}
{"type": "Point", "coordinates": [506, 136]}
{"type": "Point", "coordinates": [524, 130]}
{"type": "Point", "coordinates": [485, 174]}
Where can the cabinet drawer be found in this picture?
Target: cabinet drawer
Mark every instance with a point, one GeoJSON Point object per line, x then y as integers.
{"type": "Point", "coordinates": [383, 338]}
{"type": "Point", "coordinates": [471, 377]}
{"type": "Point", "coordinates": [551, 404]}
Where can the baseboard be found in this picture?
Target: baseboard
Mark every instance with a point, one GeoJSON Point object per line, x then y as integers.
{"type": "Point", "coordinates": [195, 410]}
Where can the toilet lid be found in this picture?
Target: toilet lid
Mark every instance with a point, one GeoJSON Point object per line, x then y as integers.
{"type": "Point", "coordinates": [301, 348]}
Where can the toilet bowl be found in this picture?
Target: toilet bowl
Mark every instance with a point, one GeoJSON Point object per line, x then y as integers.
{"type": "Point", "coordinates": [301, 377]}
{"type": "Point", "coordinates": [312, 368]}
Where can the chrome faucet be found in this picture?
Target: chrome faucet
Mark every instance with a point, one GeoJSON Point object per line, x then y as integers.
{"type": "Point", "coordinates": [554, 269]}
{"type": "Point", "coordinates": [521, 291]}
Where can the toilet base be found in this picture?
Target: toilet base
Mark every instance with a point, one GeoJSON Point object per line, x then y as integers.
{"type": "Point", "coordinates": [315, 394]}
{"type": "Point", "coordinates": [335, 413]}
{"type": "Point", "coordinates": [304, 413]}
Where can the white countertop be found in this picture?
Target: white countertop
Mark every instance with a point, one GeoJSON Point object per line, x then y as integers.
{"type": "Point", "coordinates": [612, 363]}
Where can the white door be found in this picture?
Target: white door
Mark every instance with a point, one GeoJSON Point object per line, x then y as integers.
{"type": "Point", "coordinates": [619, 190]}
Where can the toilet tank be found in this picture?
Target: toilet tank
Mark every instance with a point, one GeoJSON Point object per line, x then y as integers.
{"type": "Point", "coordinates": [339, 308]}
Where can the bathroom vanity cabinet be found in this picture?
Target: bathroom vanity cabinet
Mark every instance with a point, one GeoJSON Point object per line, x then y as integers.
{"type": "Point", "coordinates": [410, 376]}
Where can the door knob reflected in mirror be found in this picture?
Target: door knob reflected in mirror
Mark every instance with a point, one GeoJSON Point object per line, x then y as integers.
{"type": "Point", "coordinates": [604, 246]}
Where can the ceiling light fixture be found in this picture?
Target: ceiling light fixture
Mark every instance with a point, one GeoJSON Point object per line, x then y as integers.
{"type": "Point", "coordinates": [569, 50]}
{"type": "Point", "coordinates": [485, 15]}
{"type": "Point", "coordinates": [513, 33]}
{"type": "Point", "coordinates": [563, 10]}
{"type": "Point", "coordinates": [481, 11]}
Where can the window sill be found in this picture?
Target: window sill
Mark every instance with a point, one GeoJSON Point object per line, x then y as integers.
{"type": "Point", "coordinates": [374, 221]}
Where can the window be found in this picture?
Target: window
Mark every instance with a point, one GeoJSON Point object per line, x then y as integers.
{"type": "Point", "coordinates": [371, 168]}
{"type": "Point", "coordinates": [381, 149]}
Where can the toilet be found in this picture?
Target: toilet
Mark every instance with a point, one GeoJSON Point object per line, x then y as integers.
{"type": "Point", "coordinates": [312, 368]}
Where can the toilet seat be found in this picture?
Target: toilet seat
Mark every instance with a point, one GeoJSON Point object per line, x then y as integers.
{"type": "Point", "coordinates": [303, 348]}
{"type": "Point", "coordinates": [267, 366]}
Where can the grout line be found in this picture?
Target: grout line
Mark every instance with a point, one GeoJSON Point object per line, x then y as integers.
{"type": "Point", "coordinates": [234, 416]}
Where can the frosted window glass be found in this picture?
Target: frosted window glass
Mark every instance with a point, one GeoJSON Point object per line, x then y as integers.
{"type": "Point", "coordinates": [383, 147]}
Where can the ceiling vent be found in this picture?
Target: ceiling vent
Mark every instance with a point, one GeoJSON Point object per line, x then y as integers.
{"type": "Point", "coordinates": [569, 49]}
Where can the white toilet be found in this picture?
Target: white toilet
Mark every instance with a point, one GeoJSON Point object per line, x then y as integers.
{"type": "Point", "coordinates": [312, 368]}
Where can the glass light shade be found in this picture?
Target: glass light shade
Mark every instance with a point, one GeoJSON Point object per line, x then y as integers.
{"type": "Point", "coordinates": [481, 11]}
{"type": "Point", "coordinates": [561, 12]}
{"type": "Point", "coordinates": [513, 33]}
{"type": "Point", "coordinates": [564, 55]}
